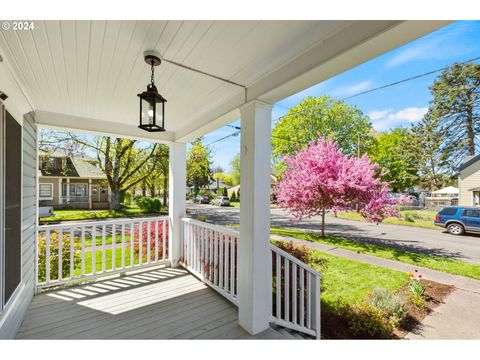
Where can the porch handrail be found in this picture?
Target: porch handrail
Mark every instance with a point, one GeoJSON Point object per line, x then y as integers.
{"type": "Point", "coordinates": [133, 243]}
{"type": "Point", "coordinates": [207, 252]}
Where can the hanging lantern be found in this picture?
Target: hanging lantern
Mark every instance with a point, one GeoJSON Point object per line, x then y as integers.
{"type": "Point", "coordinates": [152, 104]}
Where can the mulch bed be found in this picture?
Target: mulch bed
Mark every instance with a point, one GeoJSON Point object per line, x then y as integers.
{"type": "Point", "coordinates": [336, 327]}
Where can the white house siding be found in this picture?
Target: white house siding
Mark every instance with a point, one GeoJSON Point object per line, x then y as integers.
{"type": "Point", "coordinates": [13, 314]}
{"type": "Point", "coordinates": [468, 178]}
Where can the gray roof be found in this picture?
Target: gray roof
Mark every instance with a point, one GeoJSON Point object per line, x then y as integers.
{"type": "Point", "coordinates": [85, 168]}
{"type": "Point", "coordinates": [468, 163]}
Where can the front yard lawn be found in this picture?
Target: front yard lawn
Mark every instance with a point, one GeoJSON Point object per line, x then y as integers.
{"type": "Point", "coordinates": [447, 265]}
{"type": "Point", "coordinates": [70, 215]}
{"type": "Point", "coordinates": [418, 218]}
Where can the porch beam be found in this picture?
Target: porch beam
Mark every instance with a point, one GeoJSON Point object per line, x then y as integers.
{"type": "Point", "coordinates": [177, 184]}
{"type": "Point", "coordinates": [254, 260]}
{"type": "Point", "coordinates": [98, 127]}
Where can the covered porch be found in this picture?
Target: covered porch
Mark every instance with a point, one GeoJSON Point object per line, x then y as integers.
{"type": "Point", "coordinates": [208, 281]}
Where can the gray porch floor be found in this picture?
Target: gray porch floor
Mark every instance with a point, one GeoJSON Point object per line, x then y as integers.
{"type": "Point", "coordinates": [167, 303]}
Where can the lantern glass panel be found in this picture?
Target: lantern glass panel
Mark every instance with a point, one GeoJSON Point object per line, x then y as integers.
{"type": "Point", "coordinates": [147, 112]}
{"type": "Point", "coordinates": [159, 113]}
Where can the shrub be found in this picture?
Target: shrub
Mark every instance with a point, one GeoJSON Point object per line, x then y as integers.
{"type": "Point", "coordinates": [416, 300]}
{"type": "Point", "coordinates": [409, 218]}
{"type": "Point", "coordinates": [201, 217]}
{"type": "Point", "coordinates": [233, 197]}
{"type": "Point", "coordinates": [42, 256]}
{"type": "Point", "coordinates": [302, 253]}
{"type": "Point", "coordinates": [145, 232]}
{"type": "Point", "coordinates": [390, 303]}
{"type": "Point", "coordinates": [224, 191]}
{"type": "Point", "coordinates": [148, 204]}
{"type": "Point", "coordinates": [367, 321]}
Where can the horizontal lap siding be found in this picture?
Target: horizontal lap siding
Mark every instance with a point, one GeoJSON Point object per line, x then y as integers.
{"type": "Point", "coordinates": [13, 315]}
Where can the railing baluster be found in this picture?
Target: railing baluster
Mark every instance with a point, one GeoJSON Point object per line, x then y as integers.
{"type": "Point", "coordinates": [164, 240]}
{"type": "Point", "coordinates": [104, 250]}
{"type": "Point", "coordinates": [309, 300]}
{"type": "Point", "coordinates": [278, 277]}
{"type": "Point", "coordinates": [132, 244]}
{"type": "Point", "coordinates": [94, 249]}
{"type": "Point", "coordinates": [156, 223]}
{"type": "Point", "coordinates": [140, 242]}
{"type": "Point", "coordinates": [60, 254]}
{"type": "Point", "coordinates": [210, 255]}
{"type": "Point", "coordinates": [294, 293]}
{"type": "Point", "coordinates": [47, 254]}
{"type": "Point", "coordinates": [114, 248]}
{"type": "Point", "coordinates": [83, 251]}
{"type": "Point", "coordinates": [123, 246]}
{"type": "Point", "coordinates": [72, 250]}
{"type": "Point", "coordinates": [221, 255]}
{"type": "Point", "coordinates": [232, 264]}
{"type": "Point", "coordinates": [286, 290]}
{"type": "Point", "coordinates": [215, 257]}
{"type": "Point", "coordinates": [149, 240]}
{"type": "Point", "coordinates": [302, 298]}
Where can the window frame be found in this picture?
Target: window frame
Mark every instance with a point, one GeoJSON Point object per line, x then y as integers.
{"type": "Point", "coordinates": [40, 197]}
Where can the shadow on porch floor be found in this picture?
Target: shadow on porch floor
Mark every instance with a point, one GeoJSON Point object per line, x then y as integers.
{"type": "Point", "coordinates": [167, 303]}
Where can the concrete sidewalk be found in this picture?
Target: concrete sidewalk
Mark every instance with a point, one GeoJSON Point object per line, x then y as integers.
{"type": "Point", "coordinates": [457, 318]}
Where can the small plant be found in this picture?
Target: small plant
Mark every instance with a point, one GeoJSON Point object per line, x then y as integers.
{"type": "Point", "coordinates": [366, 320]}
{"type": "Point", "coordinates": [148, 204]}
{"type": "Point", "coordinates": [390, 303]}
{"type": "Point", "coordinates": [415, 286]}
{"type": "Point", "coordinates": [409, 218]}
{"type": "Point", "coordinates": [201, 217]}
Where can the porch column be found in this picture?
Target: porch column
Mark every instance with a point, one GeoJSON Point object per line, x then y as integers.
{"type": "Point", "coordinates": [177, 184]}
{"type": "Point", "coordinates": [254, 272]}
{"type": "Point", "coordinates": [68, 191]}
{"type": "Point", "coordinates": [60, 202]}
{"type": "Point", "coordinates": [90, 194]}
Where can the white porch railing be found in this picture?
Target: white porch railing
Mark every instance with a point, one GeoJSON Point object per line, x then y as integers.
{"type": "Point", "coordinates": [75, 251]}
{"type": "Point", "coordinates": [210, 252]}
{"type": "Point", "coordinates": [296, 293]}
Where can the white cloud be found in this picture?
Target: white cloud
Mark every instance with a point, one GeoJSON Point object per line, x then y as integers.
{"type": "Point", "coordinates": [352, 89]}
{"type": "Point", "coordinates": [385, 119]}
{"type": "Point", "coordinates": [378, 114]}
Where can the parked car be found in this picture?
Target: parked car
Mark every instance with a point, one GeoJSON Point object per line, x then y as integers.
{"type": "Point", "coordinates": [201, 200]}
{"type": "Point", "coordinates": [45, 211]}
{"type": "Point", "coordinates": [221, 201]}
{"type": "Point", "coordinates": [459, 220]}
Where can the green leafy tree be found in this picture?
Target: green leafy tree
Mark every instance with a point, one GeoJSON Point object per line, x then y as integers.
{"type": "Point", "coordinates": [198, 165]}
{"type": "Point", "coordinates": [327, 117]}
{"type": "Point", "coordinates": [235, 172]}
{"type": "Point", "coordinates": [431, 163]}
{"type": "Point", "coordinates": [395, 152]}
{"type": "Point", "coordinates": [456, 105]}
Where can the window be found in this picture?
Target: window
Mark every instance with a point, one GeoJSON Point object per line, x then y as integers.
{"type": "Point", "coordinates": [472, 213]}
{"type": "Point", "coordinates": [45, 191]}
{"type": "Point", "coordinates": [75, 190]}
{"type": "Point", "coordinates": [448, 211]}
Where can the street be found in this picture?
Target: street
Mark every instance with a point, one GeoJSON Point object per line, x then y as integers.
{"type": "Point", "coordinates": [429, 241]}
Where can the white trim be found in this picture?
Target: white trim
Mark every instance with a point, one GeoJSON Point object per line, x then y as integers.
{"type": "Point", "coordinates": [2, 206]}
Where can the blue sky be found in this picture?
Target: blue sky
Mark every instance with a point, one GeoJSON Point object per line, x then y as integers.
{"type": "Point", "coordinates": [400, 105]}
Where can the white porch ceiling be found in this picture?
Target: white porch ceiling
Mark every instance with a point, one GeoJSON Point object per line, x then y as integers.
{"type": "Point", "coordinates": [86, 74]}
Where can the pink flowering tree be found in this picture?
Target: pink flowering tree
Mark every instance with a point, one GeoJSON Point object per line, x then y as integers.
{"type": "Point", "coordinates": [320, 178]}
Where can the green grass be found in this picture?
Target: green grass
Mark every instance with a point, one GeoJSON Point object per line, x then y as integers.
{"type": "Point", "coordinates": [64, 215]}
{"type": "Point", "coordinates": [235, 203]}
{"type": "Point", "coordinates": [348, 281]}
{"type": "Point", "coordinates": [450, 266]}
{"type": "Point", "coordinates": [418, 218]}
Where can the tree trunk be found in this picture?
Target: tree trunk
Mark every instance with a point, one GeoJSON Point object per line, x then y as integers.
{"type": "Point", "coordinates": [115, 200]}
{"type": "Point", "coordinates": [323, 223]}
{"type": "Point", "coordinates": [165, 190]}
{"type": "Point", "coordinates": [470, 132]}
{"type": "Point", "coordinates": [152, 191]}
{"type": "Point", "coordinates": [144, 191]}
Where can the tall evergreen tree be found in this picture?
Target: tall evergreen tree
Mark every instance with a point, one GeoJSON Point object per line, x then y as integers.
{"type": "Point", "coordinates": [456, 105]}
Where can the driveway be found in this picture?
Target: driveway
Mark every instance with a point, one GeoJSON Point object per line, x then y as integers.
{"type": "Point", "coordinates": [434, 242]}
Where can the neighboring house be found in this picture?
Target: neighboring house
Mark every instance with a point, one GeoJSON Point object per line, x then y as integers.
{"type": "Point", "coordinates": [444, 197]}
{"type": "Point", "coordinates": [469, 182]}
{"type": "Point", "coordinates": [273, 183]}
{"type": "Point", "coordinates": [71, 182]}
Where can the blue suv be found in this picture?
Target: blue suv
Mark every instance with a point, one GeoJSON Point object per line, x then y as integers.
{"type": "Point", "coordinates": [459, 220]}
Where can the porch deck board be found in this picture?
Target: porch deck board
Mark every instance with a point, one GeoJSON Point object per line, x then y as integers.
{"type": "Point", "coordinates": [167, 303]}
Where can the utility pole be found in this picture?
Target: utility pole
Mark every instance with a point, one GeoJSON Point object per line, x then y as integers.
{"type": "Point", "coordinates": [358, 146]}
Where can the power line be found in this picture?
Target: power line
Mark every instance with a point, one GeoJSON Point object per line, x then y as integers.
{"type": "Point", "coordinates": [346, 98]}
